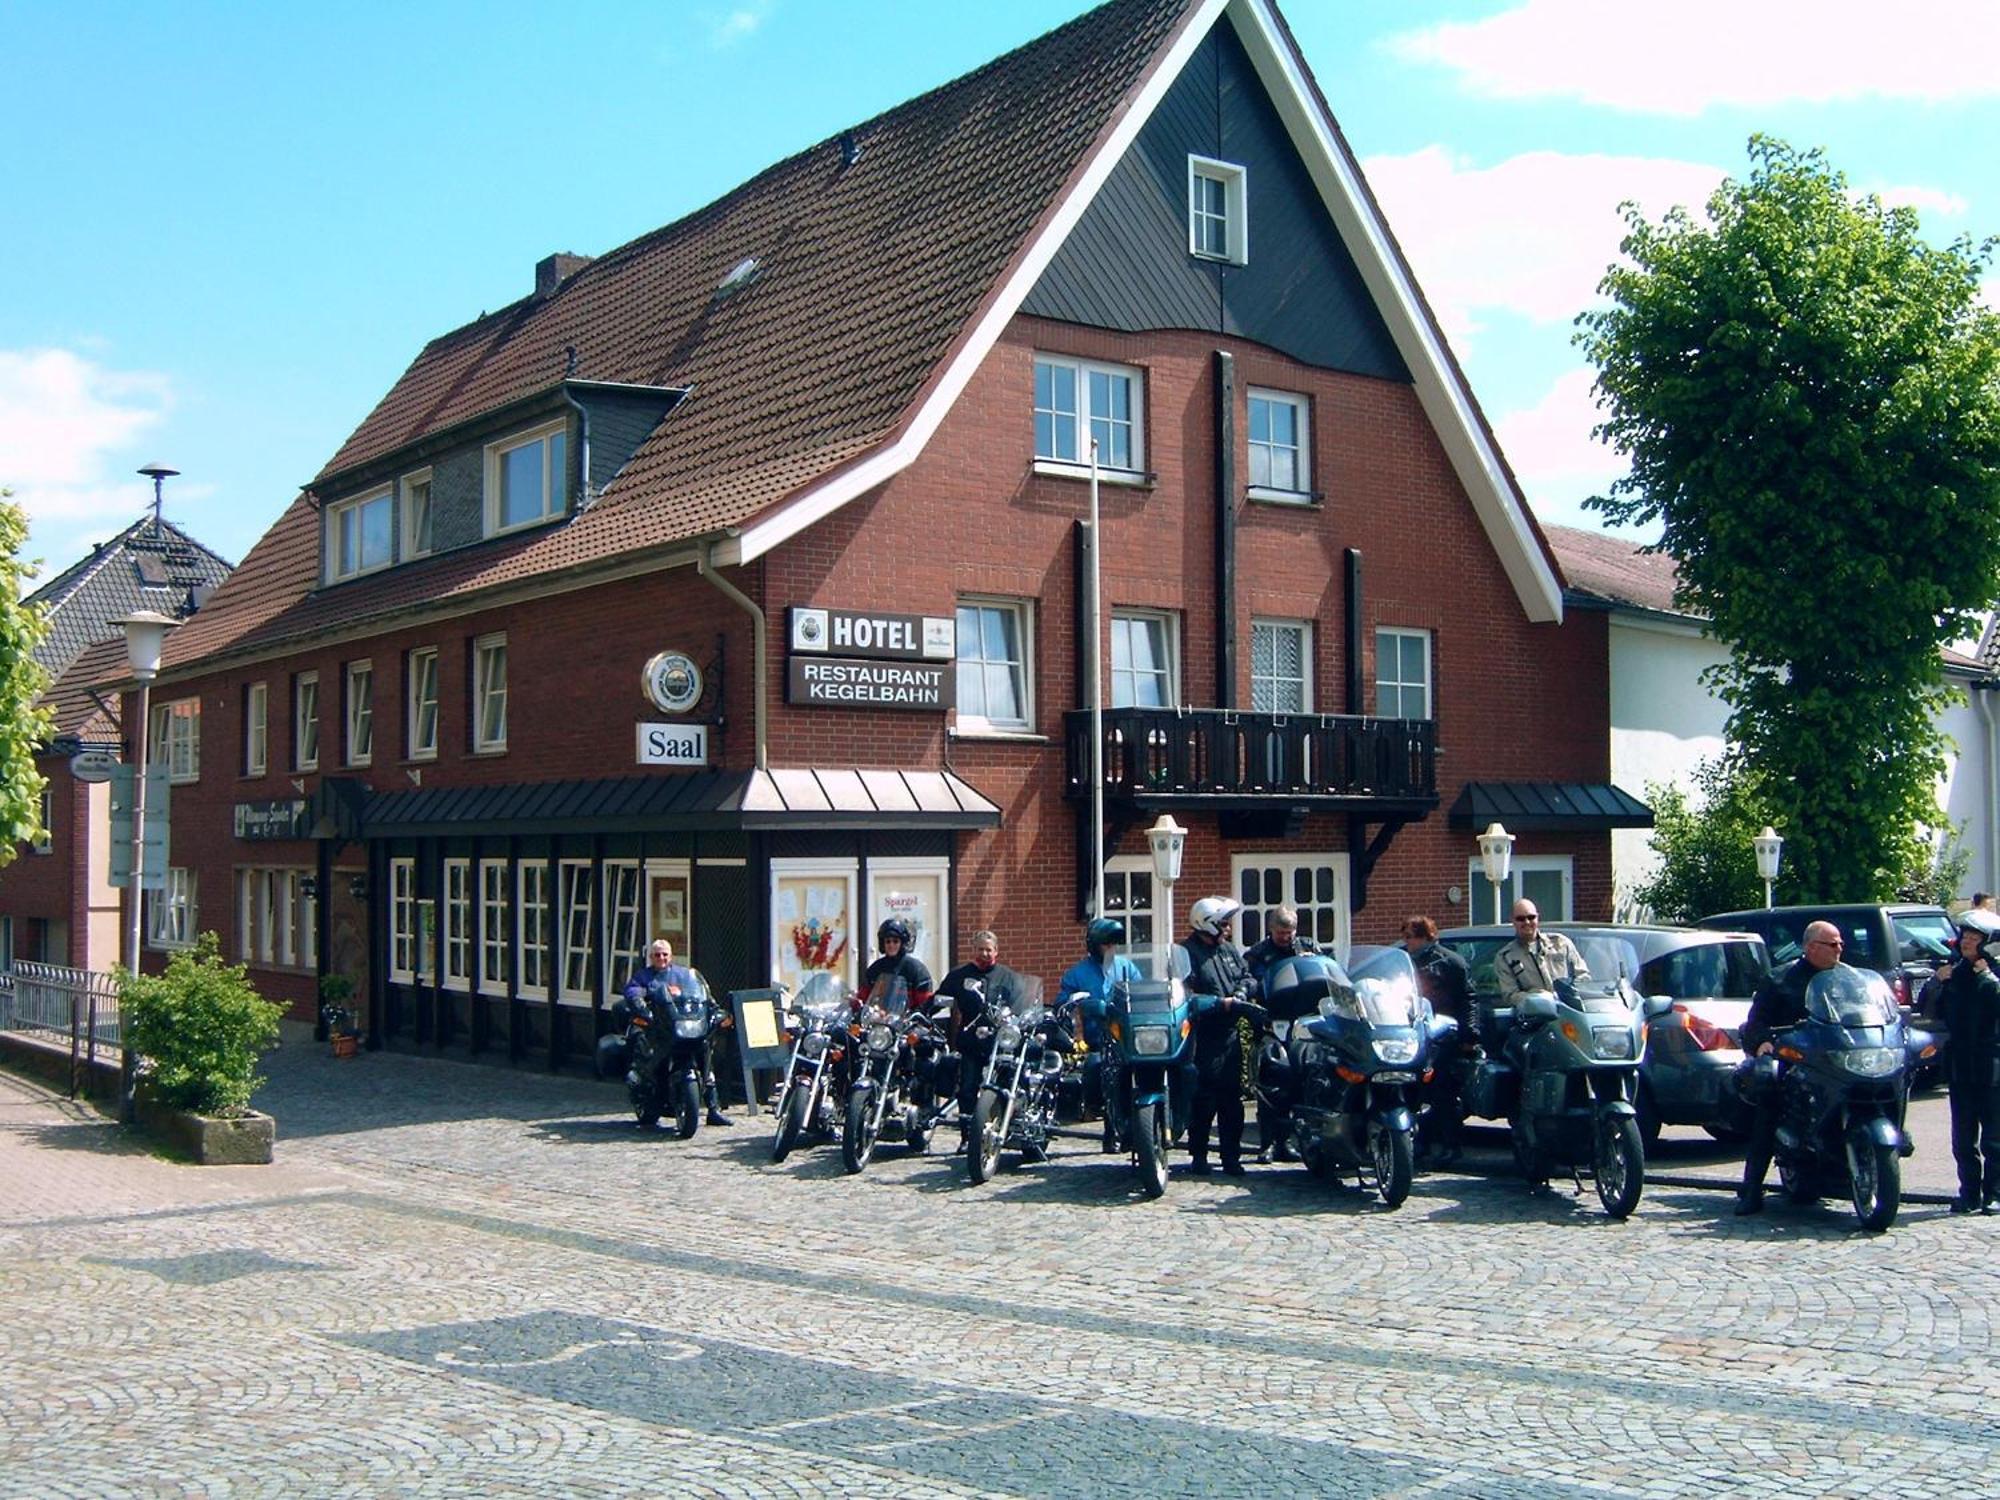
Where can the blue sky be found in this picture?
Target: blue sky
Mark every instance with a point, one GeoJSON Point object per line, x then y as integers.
{"type": "Point", "coordinates": [228, 228]}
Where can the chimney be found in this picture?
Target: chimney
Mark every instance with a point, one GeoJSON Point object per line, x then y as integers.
{"type": "Point", "coordinates": [552, 271]}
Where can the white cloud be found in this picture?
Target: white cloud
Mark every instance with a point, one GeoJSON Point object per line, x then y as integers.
{"type": "Point", "coordinates": [1989, 292]}
{"type": "Point", "coordinates": [68, 426]}
{"type": "Point", "coordinates": [1532, 234]}
{"type": "Point", "coordinates": [1680, 57]}
{"type": "Point", "coordinates": [1935, 200]}
{"type": "Point", "coordinates": [727, 29]}
{"type": "Point", "coordinates": [1549, 444]}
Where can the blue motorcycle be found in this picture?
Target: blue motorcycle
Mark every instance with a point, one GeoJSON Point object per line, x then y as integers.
{"type": "Point", "coordinates": [1148, 1026]}
{"type": "Point", "coordinates": [1354, 1045]}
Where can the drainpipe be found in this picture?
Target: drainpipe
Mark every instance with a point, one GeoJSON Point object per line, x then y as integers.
{"type": "Point", "coordinates": [1983, 691]}
{"type": "Point", "coordinates": [582, 436]}
{"type": "Point", "coordinates": [704, 564]}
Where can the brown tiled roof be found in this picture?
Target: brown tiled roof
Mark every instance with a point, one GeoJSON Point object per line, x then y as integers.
{"type": "Point", "coordinates": [869, 276]}
{"type": "Point", "coordinates": [77, 714]}
{"type": "Point", "coordinates": [1601, 566]}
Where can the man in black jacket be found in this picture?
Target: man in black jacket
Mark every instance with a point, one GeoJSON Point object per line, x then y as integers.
{"type": "Point", "coordinates": [1969, 1003]}
{"type": "Point", "coordinates": [1218, 982]}
{"type": "Point", "coordinates": [1447, 984]}
{"type": "Point", "coordinates": [1780, 1001]}
{"type": "Point", "coordinates": [970, 987]}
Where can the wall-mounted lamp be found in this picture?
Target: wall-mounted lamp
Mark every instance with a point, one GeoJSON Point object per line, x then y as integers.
{"type": "Point", "coordinates": [357, 887]}
{"type": "Point", "coordinates": [309, 886]}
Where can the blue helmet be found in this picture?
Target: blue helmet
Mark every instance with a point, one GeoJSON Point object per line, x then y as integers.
{"type": "Point", "coordinates": [1104, 932]}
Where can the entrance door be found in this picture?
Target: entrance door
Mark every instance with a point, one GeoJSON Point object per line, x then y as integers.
{"type": "Point", "coordinates": [670, 907]}
{"type": "Point", "coordinates": [1315, 884]}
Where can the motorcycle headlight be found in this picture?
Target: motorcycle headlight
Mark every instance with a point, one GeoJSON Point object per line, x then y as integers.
{"type": "Point", "coordinates": [1613, 1041]}
{"type": "Point", "coordinates": [1396, 1049]}
{"type": "Point", "coordinates": [1871, 1062]}
{"type": "Point", "coordinates": [880, 1038]}
{"type": "Point", "coordinates": [1151, 1041]}
{"type": "Point", "coordinates": [692, 1028]}
{"type": "Point", "coordinates": [813, 1044]}
{"type": "Point", "coordinates": [1010, 1037]}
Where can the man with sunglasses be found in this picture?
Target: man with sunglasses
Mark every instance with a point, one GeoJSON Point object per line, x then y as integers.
{"type": "Point", "coordinates": [1780, 1001]}
{"type": "Point", "coordinates": [1535, 960]}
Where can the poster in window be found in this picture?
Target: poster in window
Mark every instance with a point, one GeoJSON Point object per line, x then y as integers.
{"type": "Point", "coordinates": [917, 896]}
{"type": "Point", "coordinates": [811, 926]}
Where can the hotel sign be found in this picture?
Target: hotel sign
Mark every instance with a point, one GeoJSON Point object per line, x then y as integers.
{"type": "Point", "coordinates": [878, 637]}
{"type": "Point", "coordinates": [836, 682]}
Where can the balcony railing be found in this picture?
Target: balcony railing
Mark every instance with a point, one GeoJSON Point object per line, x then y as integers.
{"type": "Point", "coordinates": [1162, 755]}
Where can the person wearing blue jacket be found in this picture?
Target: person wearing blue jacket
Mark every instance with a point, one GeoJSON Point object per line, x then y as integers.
{"type": "Point", "coordinates": [1094, 977]}
{"type": "Point", "coordinates": [660, 980]}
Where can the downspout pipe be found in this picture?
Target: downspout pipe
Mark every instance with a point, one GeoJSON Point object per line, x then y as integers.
{"type": "Point", "coordinates": [704, 564]}
{"type": "Point", "coordinates": [1983, 691]}
{"type": "Point", "coordinates": [582, 437]}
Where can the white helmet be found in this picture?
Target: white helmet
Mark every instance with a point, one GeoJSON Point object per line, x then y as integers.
{"type": "Point", "coordinates": [1212, 913]}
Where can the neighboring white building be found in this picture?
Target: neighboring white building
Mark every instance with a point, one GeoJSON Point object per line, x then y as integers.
{"type": "Point", "coordinates": [1665, 721]}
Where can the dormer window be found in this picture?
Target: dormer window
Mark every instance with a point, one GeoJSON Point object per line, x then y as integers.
{"type": "Point", "coordinates": [527, 478]}
{"type": "Point", "coordinates": [417, 514]}
{"type": "Point", "coordinates": [360, 535]}
{"type": "Point", "coordinates": [1218, 218]}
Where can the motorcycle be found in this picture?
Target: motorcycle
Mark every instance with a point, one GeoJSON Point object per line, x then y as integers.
{"type": "Point", "coordinates": [1148, 1030]}
{"type": "Point", "coordinates": [1027, 1049]}
{"type": "Point", "coordinates": [1843, 1097]}
{"type": "Point", "coordinates": [896, 1062]}
{"type": "Point", "coordinates": [665, 1051]}
{"type": "Point", "coordinates": [815, 1083]}
{"type": "Point", "coordinates": [1354, 1048]}
{"type": "Point", "coordinates": [1562, 1069]}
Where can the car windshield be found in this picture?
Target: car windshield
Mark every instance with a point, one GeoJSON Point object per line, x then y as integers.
{"type": "Point", "coordinates": [821, 994]}
{"type": "Point", "coordinates": [1385, 985]}
{"type": "Point", "coordinates": [890, 994]}
{"type": "Point", "coordinates": [1922, 935]}
{"type": "Point", "coordinates": [1850, 997]}
{"type": "Point", "coordinates": [1728, 970]}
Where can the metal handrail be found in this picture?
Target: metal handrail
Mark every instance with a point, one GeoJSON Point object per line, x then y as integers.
{"type": "Point", "coordinates": [73, 1007]}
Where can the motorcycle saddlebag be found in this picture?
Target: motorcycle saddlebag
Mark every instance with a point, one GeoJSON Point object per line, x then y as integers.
{"type": "Point", "coordinates": [1294, 987]}
{"type": "Point", "coordinates": [1493, 1090]}
{"type": "Point", "coordinates": [612, 1056]}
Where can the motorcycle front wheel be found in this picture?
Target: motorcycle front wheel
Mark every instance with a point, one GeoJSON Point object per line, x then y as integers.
{"type": "Point", "coordinates": [857, 1137]}
{"type": "Point", "coordinates": [982, 1147]}
{"type": "Point", "coordinates": [1395, 1162]}
{"type": "Point", "coordinates": [791, 1122]}
{"type": "Point", "coordinates": [1620, 1165]}
{"type": "Point", "coordinates": [1876, 1172]}
{"type": "Point", "coordinates": [1149, 1140]}
{"type": "Point", "coordinates": [687, 1106]}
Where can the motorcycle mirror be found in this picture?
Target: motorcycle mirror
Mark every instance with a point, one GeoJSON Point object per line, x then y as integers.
{"type": "Point", "coordinates": [1540, 1006]}
{"type": "Point", "coordinates": [1656, 1006]}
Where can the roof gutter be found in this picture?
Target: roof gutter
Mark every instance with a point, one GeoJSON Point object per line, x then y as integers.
{"type": "Point", "coordinates": [760, 664]}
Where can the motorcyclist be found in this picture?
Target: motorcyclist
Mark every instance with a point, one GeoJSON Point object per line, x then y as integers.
{"type": "Point", "coordinates": [894, 939]}
{"type": "Point", "coordinates": [1447, 984]}
{"type": "Point", "coordinates": [1969, 1004]}
{"type": "Point", "coordinates": [1779, 1002]}
{"type": "Point", "coordinates": [657, 982]}
{"type": "Point", "coordinates": [1535, 960]}
{"type": "Point", "coordinates": [971, 986]}
{"type": "Point", "coordinates": [1281, 941]}
{"type": "Point", "coordinates": [1219, 985]}
{"type": "Point", "coordinates": [1094, 977]}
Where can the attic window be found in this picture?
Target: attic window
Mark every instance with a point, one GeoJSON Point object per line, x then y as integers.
{"type": "Point", "coordinates": [152, 568]}
{"type": "Point", "coordinates": [1218, 214]}
{"type": "Point", "coordinates": [740, 275]}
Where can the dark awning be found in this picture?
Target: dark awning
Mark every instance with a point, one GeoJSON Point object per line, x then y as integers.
{"type": "Point", "coordinates": [1547, 806]}
{"type": "Point", "coordinates": [701, 801]}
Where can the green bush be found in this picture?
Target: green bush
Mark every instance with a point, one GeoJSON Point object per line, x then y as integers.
{"type": "Point", "coordinates": [201, 1027]}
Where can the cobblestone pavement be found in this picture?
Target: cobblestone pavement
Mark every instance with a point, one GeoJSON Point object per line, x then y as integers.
{"type": "Point", "coordinates": [463, 1280]}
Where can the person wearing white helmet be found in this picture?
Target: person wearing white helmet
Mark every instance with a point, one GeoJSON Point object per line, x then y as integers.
{"type": "Point", "coordinates": [1969, 1001]}
{"type": "Point", "coordinates": [1219, 984]}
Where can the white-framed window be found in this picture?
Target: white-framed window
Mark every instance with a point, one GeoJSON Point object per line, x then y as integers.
{"type": "Point", "coordinates": [305, 721]}
{"type": "Point", "coordinates": [579, 950]}
{"type": "Point", "coordinates": [177, 739]}
{"type": "Point", "coordinates": [1402, 674]}
{"type": "Point", "coordinates": [360, 535]}
{"type": "Point", "coordinates": [171, 912]}
{"type": "Point", "coordinates": [256, 729]}
{"type": "Point", "coordinates": [1280, 446]}
{"type": "Point", "coordinates": [360, 712]}
{"type": "Point", "coordinates": [1281, 666]}
{"type": "Point", "coordinates": [625, 937]}
{"type": "Point", "coordinates": [1314, 884]}
{"type": "Point", "coordinates": [1129, 897]}
{"type": "Point", "coordinates": [277, 923]}
{"type": "Point", "coordinates": [527, 478]}
{"type": "Point", "coordinates": [403, 920]}
{"type": "Point", "coordinates": [489, 694]}
{"type": "Point", "coordinates": [1144, 670]}
{"type": "Point", "coordinates": [916, 888]}
{"type": "Point", "coordinates": [1544, 879]}
{"type": "Point", "coordinates": [458, 924]}
{"type": "Point", "coordinates": [44, 841]}
{"type": "Point", "coordinates": [1077, 400]}
{"type": "Point", "coordinates": [421, 714]}
{"type": "Point", "coordinates": [814, 926]}
{"type": "Point", "coordinates": [534, 922]}
{"type": "Point", "coordinates": [1218, 212]}
{"type": "Point", "coordinates": [495, 931]}
{"type": "Point", "coordinates": [993, 691]}
{"type": "Point", "coordinates": [417, 530]}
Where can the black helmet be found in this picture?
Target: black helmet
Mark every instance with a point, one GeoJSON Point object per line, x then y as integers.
{"type": "Point", "coordinates": [893, 927]}
{"type": "Point", "coordinates": [1103, 933]}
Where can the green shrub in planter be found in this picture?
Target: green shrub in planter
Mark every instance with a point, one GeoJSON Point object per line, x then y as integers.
{"type": "Point", "coordinates": [201, 1026]}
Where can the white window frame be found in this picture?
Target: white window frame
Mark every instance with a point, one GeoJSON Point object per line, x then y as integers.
{"type": "Point", "coordinates": [171, 911]}
{"type": "Point", "coordinates": [482, 650]}
{"type": "Point", "coordinates": [623, 929]}
{"type": "Point", "coordinates": [555, 485]}
{"type": "Point", "coordinates": [360, 713]}
{"type": "Point", "coordinates": [403, 930]}
{"type": "Point", "coordinates": [1342, 904]}
{"type": "Point", "coordinates": [1402, 633]}
{"type": "Point", "coordinates": [531, 893]}
{"type": "Point", "coordinates": [176, 739]}
{"type": "Point", "coordinates": [1084, 417]}
{"type": "Point", "coordinates": [495, 925]}
{"type": "Point", "coordinates": [1235, 210]}
{"type": "Point", "coordinates": [824, 870]}
{"type": "Point", "coordinates": [44, 841]}
{"type": "Point", "coordinates": [1479, 890]}
{"type": "Point", "coordinates": [338, 566]}
{"type": "Point", "coordinates": [1301, 409]}
{"type": "Point", "coordinates": [932, 947]}
{"type": "Point", "coordinates": [305, 726]}
{"type": "Point", "coordinates": [256, 729]}
{"type": "Point", "coordinates": [1304, 630]}
{"type": "Point", "coordinates": [1170, 630]}
{"type": "Point", "coordinates": [406, 520]}
{"type": "Point", "coordinates": [457, 918]}
{"type": "Point", "coordinates": [1024, 621]}
{"type": "Point", "coordinates": [576, 912]}
{"type": "Point", "coordinates": [276, 922]}
{"type": "Point", "coordinates": [1118, 872]}
{"type": "Point", "coordinates": [419, 659]}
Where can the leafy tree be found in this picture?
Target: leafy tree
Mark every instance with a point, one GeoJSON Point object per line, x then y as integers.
{"type": "Point", "coordinates": [1807, 393]}
{"type": "Point", "coordinates": [201, 1027]}
{"type": "Point", "coordinates": [1707, 863]}
{"type": "Point", "coordinates": [24, 729]}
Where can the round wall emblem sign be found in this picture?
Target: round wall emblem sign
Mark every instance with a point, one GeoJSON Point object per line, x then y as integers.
{"type": "Point", "coordinates": [673, 682]}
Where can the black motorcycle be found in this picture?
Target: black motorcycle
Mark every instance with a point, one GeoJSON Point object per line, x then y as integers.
{"type": "Point", "coordinates": [1027, 1049]}
{"type": "Point", "coordinates": [896, 1065]}
{"type": "Point", "coordinates": [665, 1051]}
{"type": "Point", "coordinates": [815, 1086]}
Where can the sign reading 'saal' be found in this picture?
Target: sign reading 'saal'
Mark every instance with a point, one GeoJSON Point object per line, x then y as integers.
{"type": "Point", "coordinates": [881, 637]}
{"type": "Point", "coordinates": [673, 744]}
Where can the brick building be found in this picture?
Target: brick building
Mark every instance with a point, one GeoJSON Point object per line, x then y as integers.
{"type": "Point", "coordinates": [730, 585]}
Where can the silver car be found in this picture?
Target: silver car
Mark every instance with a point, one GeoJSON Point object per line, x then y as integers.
{"type": "Point", "coordinates": [1688, 1077]}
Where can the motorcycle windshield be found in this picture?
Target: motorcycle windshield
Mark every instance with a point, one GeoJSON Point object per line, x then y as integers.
{"type": "Point", "coordinates": [821, 995]}
{"type": "Point", "coordinates": [1385, 986]}
{"type": "Point", "coordinates": [1021, 997]}
{"type": "Point", "coordinates": [692, 994]}
{"type": "Point", "coordinates": [1850, 997]}
{"type": "Point", "coordinates": [889, 997]}
{"type": "Point", "coordinates": [1613, 964]}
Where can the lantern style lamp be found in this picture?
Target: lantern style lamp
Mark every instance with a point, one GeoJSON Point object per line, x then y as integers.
{"type": "Point", "coordinates": [1168, 841]}
{"type": "Point", "coordinates": [1769, 847]}
{"type": "Point", "coordinates": [145, 636]}
{"type": "Point", "coordinates": [1496, 856]}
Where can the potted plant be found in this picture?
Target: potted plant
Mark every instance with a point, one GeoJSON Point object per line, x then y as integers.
{"type": "Point", "coordinates": [336, 991]}
{"type": "Point", "coordinates": [200, 1027]}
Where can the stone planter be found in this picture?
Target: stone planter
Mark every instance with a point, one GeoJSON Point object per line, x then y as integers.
{"type": "Point", "coordinates": [212, 1142]}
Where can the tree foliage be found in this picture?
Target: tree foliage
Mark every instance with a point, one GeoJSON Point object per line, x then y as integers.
{"type": "Point", "coordinates": [201, 1027]}
{"type": "Point", "coordinates": [1707, 863]}
{"type": "Point", "coordinates": [1807, 393]}
{"type": "Point", "coordinates": [24, 729]}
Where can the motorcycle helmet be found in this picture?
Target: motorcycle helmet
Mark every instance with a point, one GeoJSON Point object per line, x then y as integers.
{"type": "Point", "coordinates": [1987, 925]}
{"type": "Point", "coordinates": [893, 927]}
{"type": "Point", "coordinates": [1212, 913]}
{"type": "Point", "coordinates": [1104, 932]}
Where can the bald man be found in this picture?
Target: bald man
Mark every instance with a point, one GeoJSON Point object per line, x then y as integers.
{"type": "Point", "coordinates": [1780, 1001]}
